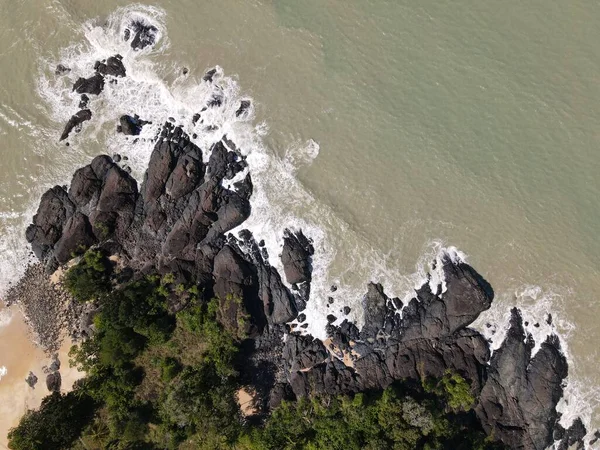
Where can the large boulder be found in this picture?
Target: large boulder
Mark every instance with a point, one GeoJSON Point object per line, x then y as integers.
{"type": "Point", "coordinates": [113, 67]}
{"type": "Point", "coordinates": [296, 257]}
{"type": "Point", "coordinates": [517, 404]}
{"type": "Point", "coordinates": [77, 236]}
{"type": "Point", "coordinates": [92, 85]}
{"type": "Point", "coordinates": [48, 223]}
{"type": "Point", "coordinates": [53, 382]}
{"type": "Point", "coordinates": [131, 125]}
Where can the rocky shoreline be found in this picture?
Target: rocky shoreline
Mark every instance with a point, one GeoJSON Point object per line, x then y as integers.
{"type": "Point", "coordinates": [178, 222]}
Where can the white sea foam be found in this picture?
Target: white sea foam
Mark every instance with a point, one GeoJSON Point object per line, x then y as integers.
{"type": "Point", "coordinates": [3, 372]}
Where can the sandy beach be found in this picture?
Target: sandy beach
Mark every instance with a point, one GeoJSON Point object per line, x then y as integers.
{"type": "Point", "coordinates": [19, 355]}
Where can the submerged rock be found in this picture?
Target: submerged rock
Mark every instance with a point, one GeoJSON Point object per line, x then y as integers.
{"type": "Point", "coordinates": [144, 35]}
{"type": "Point", "coordinates": [62, 70]}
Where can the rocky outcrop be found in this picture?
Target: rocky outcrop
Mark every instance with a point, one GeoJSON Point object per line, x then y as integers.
{"type": "Point", "coordinates": [93, 85]}
{"type": "Point", "coordinates": [142, 35]}
{"type": "Point", "coordinates": [131, 125]}
{"type": "Point", "coordinates": [179, 220]}
{"type": "Point", "coordinates": [75, 122]}
{"type": "Point", "coordinates": [296, 257]}
{"type": "Point", "coordinates": [113, 67]}
{"type": "Point", "coordinates": [517, 403]}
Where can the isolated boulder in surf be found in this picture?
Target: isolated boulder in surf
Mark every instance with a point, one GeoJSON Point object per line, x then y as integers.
{"type": "Point", "coordinates": [131, 125]}
{"type": "Point", "coordinates": [113, 66]}
{"type": "Point", "coordinates": [144, 35]}
{"type": "Point", "coordinates": [92, 85]}
{"type": "Point", "coordinates": [75, 122]}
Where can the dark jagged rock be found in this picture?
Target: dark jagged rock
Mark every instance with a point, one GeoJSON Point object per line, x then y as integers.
{"type": "Point", "coordinates": [517, 403]}
{"type": "Point", "coordinates": [208, 76]}
{"type": "Point", "coordinates": [92, 85]}
{"type": "Point", "coordinates": [77, 234]}
{"type": "Point", "coordinates": [31, 380]}
{"type": "Point", "coordinates": [131, 125]}
{"type": "Point", "coordinates": [48, 223]}
{"type": "Point", "coordinates": [178, 222]}
{"type": "Point", "coordinates": [574, 435]}
{"type": "Point", "coordinates": [83, 103]}
{"type": "Point", "coordinates": [113, 67]}
{"type": "Point", "coordinates": [144, 35]}
{"type": "Point", "coordinates": [75, 122]}
{"type": "Point", "coordinates": [244, 107]}
{"type": "Point", "coordinates": [53, 381]}
{"type": "Point", "coordinates": [296, 257]}
{"type": "Point", "coordinates": [61, 70]}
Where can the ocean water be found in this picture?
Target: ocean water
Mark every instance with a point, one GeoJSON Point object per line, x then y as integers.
{"type": "Point", "coordinates": [387, 130]}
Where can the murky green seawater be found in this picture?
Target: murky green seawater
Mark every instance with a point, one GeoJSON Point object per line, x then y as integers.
{"type": "Point", "coordinates": [471, 123]}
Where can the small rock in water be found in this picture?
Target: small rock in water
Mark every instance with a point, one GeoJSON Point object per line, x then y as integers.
{"type": "Point", "coordinates": [488, 325]}
{"type": "Point", "coordinates": [537, 325]}
{"type": "Point", "coordinates": [84, 101]}
{"type": "Point", "coordinates": [549, 319]}
{"type": "Point", "coordinates": [331, 318]}
{"type": "Point", "coordinates": [261, 243]}
{"type": "Point", "coordinates": [185, 71]}
{"type": "Point", "coordinates": [304, 325]}
{"type": "Point", "coordinates": [31, 380]}
{"type": "Point", "coordinates": [330, 300]}
{"type": "Point", "coordinates": [61, 69]}
{"type": "Point", "coordinates": [301, 317]}
{"type": "Point", "coordinates": [116, 158]}
{"type": "Point", "coordinates": [347, 310]}
{"type": "Point", "coordinates": [194, 136]}
{"type": "Point", "coordinates": [208, 76]}
{"type": "Point", "coordinates": [333, 288]}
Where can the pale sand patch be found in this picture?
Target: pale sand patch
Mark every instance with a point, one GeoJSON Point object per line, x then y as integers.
{"type": "Point", "coordinates": [246, 401]}
{"type": "Point", "coordinates": [20, 356]}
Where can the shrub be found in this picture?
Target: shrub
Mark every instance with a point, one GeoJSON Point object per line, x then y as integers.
{"type": "Point", "coordinates": [169, 369]}
{"type": "Point", "coordinates": [90, 278]}
{"type": "Point", "coordinates": [55, 425]}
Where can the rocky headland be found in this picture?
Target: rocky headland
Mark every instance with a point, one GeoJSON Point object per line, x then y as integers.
{"type": "Point", "coordinates": [178, 221]}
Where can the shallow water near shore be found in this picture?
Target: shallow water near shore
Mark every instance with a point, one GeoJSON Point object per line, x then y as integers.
{"type": "Point", "coordinates": [384, 129]}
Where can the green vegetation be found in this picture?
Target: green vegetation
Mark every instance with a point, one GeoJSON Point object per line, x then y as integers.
{"type": "Point", "coordinates": [160, 380]}
{"type": "Point", "coordinates": [89, 279]}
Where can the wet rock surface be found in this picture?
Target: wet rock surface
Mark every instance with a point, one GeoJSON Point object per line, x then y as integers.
{"type": "Point", "coordinates": [142, 35]}
{"type": "Point", "coordinates": [178, 221]}
{"type": "Point", "coordinates": [75, 122]}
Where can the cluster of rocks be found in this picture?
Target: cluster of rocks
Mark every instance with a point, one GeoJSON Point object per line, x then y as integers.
{"type": "Point", "coordinates": [53, 377]}
{"type": "Point", "coordinates": [178, 221]}
{"type": "Point", "coordinates": [48, 309]}
{"type": "Point", "coordinates": [112, 68]}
